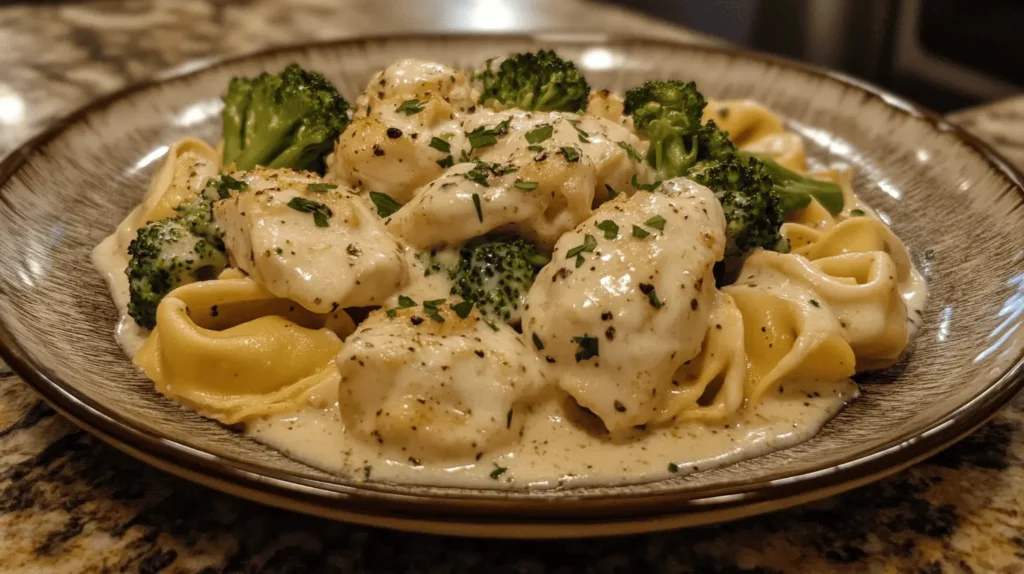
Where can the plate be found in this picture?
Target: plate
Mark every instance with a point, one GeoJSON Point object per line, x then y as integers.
{"type": "Point", "coordinates": [954, 202]}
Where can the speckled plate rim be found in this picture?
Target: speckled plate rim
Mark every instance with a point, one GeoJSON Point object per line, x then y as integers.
{"type": "Point", "coordinates": [498, 515]}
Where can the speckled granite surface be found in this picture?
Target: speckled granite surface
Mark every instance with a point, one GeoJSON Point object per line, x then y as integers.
{"type": "Point", "coordinates": [70, 503]}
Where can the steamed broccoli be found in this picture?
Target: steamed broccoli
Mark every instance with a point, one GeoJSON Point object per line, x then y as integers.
{"type": "Point", "coordinates": [539, 81]}
{"type": "Point", "coordinates": [753, 210]}
{"type": "Point", "coordinates": [172, 252]}
{"type": "Point", "coordinates": [495, 273]}
{"type": "Point", "coordinates": [755, 194]}
{"type": "Point", "coordinates": [289, 120]}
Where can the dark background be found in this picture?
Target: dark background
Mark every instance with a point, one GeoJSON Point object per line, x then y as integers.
{"type": "Point", "coordinates": [945, 54]}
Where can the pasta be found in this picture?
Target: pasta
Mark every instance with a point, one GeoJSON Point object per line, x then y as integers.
{"type": "Point", "coordinates": [500, 277]}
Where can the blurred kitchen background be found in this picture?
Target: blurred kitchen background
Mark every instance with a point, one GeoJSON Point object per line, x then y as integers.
{"type": "Point", "coordinates": [945, 54]}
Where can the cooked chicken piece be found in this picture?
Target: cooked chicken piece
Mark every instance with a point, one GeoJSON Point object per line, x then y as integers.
{"type": "Point", "coordinates": [435, 390]}
{"type": "Point", "coordinates": [626, 297]}
{"type": "Point", "coordinates": [539, 194]}
{"type": "Point", "coordinates": [314, 243]}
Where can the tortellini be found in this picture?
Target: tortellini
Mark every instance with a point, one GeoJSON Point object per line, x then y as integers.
{"type": "Point", "coordinates": [234, 351]}
{"type": "Point", "coordinates": [626, 299]}
{"type": "Point", "coordinates": [435, 390]}
{"type": "Point", "coordinates": [189, 164]}
{"type": "Point", "coordinates": [321, 247]}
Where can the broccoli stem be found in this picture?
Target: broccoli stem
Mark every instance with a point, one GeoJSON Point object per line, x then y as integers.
{"type": "Point", "coordinates": [798, 189]}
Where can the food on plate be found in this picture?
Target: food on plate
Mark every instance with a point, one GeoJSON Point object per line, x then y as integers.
{"type": "Point", "coordinates": [502, 277]}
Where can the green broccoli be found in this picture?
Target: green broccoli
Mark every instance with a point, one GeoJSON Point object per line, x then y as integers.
{"type": "Point", "coordinates": [495, 273]}
{"type": "Point", "coordinates": [287, 120]}
{"type": "Point", "coordinates": [539, 81]}
{"type": "Point", "coordinates": [753, 209]}
{"type": "Point", "coordinates": [755, 193]}
{"type": "Point", "coordinates": [172, 252]}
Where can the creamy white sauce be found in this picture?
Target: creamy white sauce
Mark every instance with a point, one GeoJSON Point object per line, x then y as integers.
{"type": "Point", "coordinates": [559, 446]}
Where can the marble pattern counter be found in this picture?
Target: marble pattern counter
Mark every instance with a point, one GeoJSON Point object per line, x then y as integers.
{"type": "Point", "coordinates": [70, 503]}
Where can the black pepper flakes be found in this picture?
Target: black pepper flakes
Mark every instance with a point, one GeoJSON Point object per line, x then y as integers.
{"type": "Point", "coordinates": [394, 133]}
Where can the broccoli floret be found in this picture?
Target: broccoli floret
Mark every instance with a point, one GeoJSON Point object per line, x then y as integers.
{"type": "Point", "coordinates": [286, 120]}
{"type": "Point", "coordinates": [539, 81]}
{"type": "Point", "coordinates": [495, 273]}
{"type": "Point", "coordinates": [753, 209]}
{"type": "Point", "coordinates": [756, 193]}
{"type": "Point", "coordinates": [164, 255]}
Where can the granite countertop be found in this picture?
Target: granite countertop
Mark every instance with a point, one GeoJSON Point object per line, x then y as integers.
{"type": "Point", "coordinates": [70, 503]}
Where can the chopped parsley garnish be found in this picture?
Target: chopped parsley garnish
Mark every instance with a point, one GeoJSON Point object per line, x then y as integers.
{"type": "Point", "coordinates": [527, 185]}
{"type": "Point", "coordinates": [476, 176]}
{"type": "Point", "coordinates": [583, 136]}
{"type": "Point", "coordinates": [539, 134]}
{"type": "Point", "coordinates": [385, 204]}
{"type": "Point", "coordinates": [723, 113]}
{"type": "Point", "coordinates": [446, 162]}
{"type": "Point", "coordinates": [366, 471]}
{"type": "Point", "coordinates": [815, 303]}
{"type": "Point", "coordinates": [657, 222]}
{"type": "Point", "coordinates": [535, 148]}
{"type": "Point", "coordinates": [226, 183]}
{"type": "Point", "coordinates": [579, 261]}
{"type": "Point", "coordinates": [571, 153]}
{"type": "Point", "coordinates": [537, 342]}
{"type": "Point", "coordinates": [631, 151]}
{"type": "Point", "coordinates": [392, 313]}
{"type": "Point", "coordinates": [640, 232]}
{"type": "Point", "coordinates": [440, 145]}
{"type": "Point", "coordinates": [508, 419]}
{"type": "Point", "coordinates": [498, 471]}
{"type": "Point", "coordinates": [673, 467]}
{"type": "Point", "coordinates": [652, 295]}
{"type": "Point", "coordinates": [610, 228]}
{"type": "Point", "coordinates": [405, 302]}
{"type": "Point", "coordinates": [410, 107]}
{"type": "Point", "coordinates": [430, 309]}
{"type": "Point", "coordinates": [587, 347]}
{"type": "Point", "coordinates": [589, 243]}
{"type": "Point", "coordinates": [484, 137]}
{"type": "Point", "coordinates": [644, 186]}
{"type": "Point", "coordinates": [611, 191]}
{"type": "Point", "coordinates": [479, 210]}
{"type": "Point", "coordinates": [491, 325]}
{"type": "Point", "coordinates": [320, 187]}
{"type": "Point", "coordinates": [463, 309]}
{"type": "Point", "coordinates": [857, 212]}
{"type": "Point", "coordinates": [464, 157]}
{"type": "Point", "coordinates": [321, 213]}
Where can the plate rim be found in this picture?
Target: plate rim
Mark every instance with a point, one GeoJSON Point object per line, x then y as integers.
{"type": "Point", "coordinates": [497, 515]}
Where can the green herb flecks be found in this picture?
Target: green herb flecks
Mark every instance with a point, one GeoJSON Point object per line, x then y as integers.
{"type": "Point", "coordinates": [410, 107]}
{"type": "Point", "coordinates": [587, 347]}
{"type": "Point", "coordinates": [440, 145]}
{"type": "Point", "coordinates": [657, 222]}
{"type": "Point", "coordinates": [537, 342]}
{"type": "Point", "coordinates": [644, 186]}
{"type": "Point", "coordinates": [463, 309]}
{"type": "Point", "coordinates": [479, 210]}
{"type": "Point", "coordinates": [385, 204]}
{"type": "Point", "coordinates": [631, 151]}
{"type": "Point", "coordinates": [572, 154]}
{"type": "Point", "coordinates": [640, 232]}
{"type": "Point", "coordinates": [610, 228]}
{"type": "Point", "coordinates": [539, 134]}
{"type": "Point", "coordinates": [320, 187]}
{"type": "Point", "coordinates": [588, 246]}
{"type": "Point", "coordinates": [526, 185]}
{"type": "Point", "coordinates": [484, 136]}
{"type": "Point", "coordinates": [321, 213]}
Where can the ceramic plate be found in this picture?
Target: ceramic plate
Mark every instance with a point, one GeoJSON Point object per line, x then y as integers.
{"type": "Point", "coordinates": [952, 200]}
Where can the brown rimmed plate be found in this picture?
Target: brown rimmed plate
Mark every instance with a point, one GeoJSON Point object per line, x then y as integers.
{"type": "Point", "coordinates": [956, 203]}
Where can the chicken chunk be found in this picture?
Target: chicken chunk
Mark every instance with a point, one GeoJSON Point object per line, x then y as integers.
{"type": "Point", "coordinates": [540, 194]}
{"type": "Point", "coordinates": [433, 390]}
{"type": "Point", "coordinates": [626, 297]}
{"type": "Point", "coordinates": [314, 243]}
{"type": "Point", "coordinates": [403, 130]}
